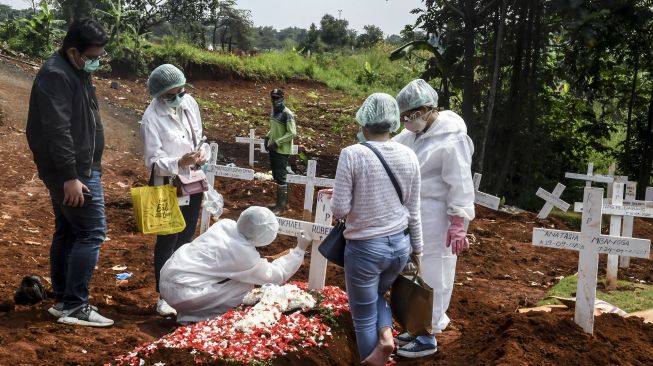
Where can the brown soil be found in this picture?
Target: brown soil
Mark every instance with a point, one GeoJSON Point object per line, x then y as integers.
{"type": "Point", "coordinates": [500, 273]}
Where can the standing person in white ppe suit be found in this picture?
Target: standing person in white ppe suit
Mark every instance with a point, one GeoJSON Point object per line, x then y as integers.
{"type": "Point", "coordinates": [444, 151]}
{"type": "Point", "coordinates": [215, 271]}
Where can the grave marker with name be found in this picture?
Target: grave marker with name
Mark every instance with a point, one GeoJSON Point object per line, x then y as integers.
{"type": "Point", "coordinates": [310, 181]}
{"type": "Point", "coordinates": [589, 242]}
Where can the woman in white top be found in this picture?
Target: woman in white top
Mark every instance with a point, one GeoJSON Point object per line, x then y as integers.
{"type": "Point", "coordinates": [171, 130]}
{"type": "Point", "coordinates": [378, 222]}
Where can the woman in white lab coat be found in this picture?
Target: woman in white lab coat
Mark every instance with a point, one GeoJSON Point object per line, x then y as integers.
{"type": "Point", "coordinates": [213, 273]}
{"type": "Point", "coordinates": [171, 130]}
{"type": "Point", "coordinates": [444, 151]}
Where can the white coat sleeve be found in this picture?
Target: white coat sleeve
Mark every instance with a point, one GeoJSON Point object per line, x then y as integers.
{"type": "Point", "coordinates": [276, 272]}
{"type": "Point", "coordinates": [457, 175]}
{"type": "Point", "coordinates": [413, 205]}
{"type": "Point", "coordinates": [343, 187]}
{"type": "Point", "coordinates": [153, 151]}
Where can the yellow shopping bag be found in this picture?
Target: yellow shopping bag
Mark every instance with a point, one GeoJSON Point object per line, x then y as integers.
{"type": "Point", "coordinates": [156, 210]}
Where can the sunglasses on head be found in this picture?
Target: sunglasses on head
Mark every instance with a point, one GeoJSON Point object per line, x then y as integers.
{"type": "Point", "coordinates": [172, 97]}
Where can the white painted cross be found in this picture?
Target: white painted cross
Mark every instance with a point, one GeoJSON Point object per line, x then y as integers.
{"type": "Point", "coordinates": [589, 242]}
{"type": "Point", "coordinates": [214, 170]}
{"type": "Point", "coordinates": [552, 200]}
{"type": "Point", "coordinates": [315, 232]}
{"type": "Point", "coordinates": [649, 194]}
{"type": "Point", "coordinates": [590, 177]}
{"type": "Point", "coordinates": [317, 270]}
{"type": "Point", "coordinates": [310, 181]}
{"type": "Point", "coordinates": [628, 221]}
{"type": "Point", "coordinates": [484, 199]}
{"type": "Point", "coordinates": [615, 230]}
{"type": "Point", "coordinates": [252, 140]}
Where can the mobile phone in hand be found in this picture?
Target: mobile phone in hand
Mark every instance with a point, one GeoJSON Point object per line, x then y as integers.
{"type": "Point", "coordinates": [88, 197]}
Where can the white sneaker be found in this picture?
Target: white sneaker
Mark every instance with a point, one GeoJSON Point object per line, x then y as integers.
{"type": "Point", "coordinates": [164, 309]}
{"type": "Point", "coordinates": [84, 315]}
{"type": "Point", "coordinates": [56, 310]}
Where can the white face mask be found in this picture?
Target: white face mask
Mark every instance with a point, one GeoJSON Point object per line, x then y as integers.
{"type": "Point", "coordinates": [417, 124]}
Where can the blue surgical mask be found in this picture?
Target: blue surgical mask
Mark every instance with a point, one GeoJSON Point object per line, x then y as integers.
{"type": "Point", "coordinates": [361, 136]}
{"type": "Point", "coordinates": [91, 65]}
{"type": "Point", "coordinates": [174, 103]}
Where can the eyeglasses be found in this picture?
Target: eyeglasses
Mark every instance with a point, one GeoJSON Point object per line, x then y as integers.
{"type": "Point", "coordinates": [172, 97]}
{"type": "Point", "coordinates": [412, 116]}
{"type": "Point", "coordinates": [102, 56]}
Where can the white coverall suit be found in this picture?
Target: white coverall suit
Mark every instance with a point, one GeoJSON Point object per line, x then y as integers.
{"type": "Point", "coordinates": [207, 277]}
{"type": "Point", "coordinates": [444, 152]}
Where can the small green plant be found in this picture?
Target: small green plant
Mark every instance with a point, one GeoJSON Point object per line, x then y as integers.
{"type": "Point", "coordinates": [36, 36]}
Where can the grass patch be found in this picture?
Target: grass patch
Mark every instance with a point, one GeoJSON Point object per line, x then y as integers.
{"type": "Point", "coordinates": [358, 73]}
{"type": "Point", "coordinates": [571, 218]}
{"type": "Point", "coordinates": [628, 296]}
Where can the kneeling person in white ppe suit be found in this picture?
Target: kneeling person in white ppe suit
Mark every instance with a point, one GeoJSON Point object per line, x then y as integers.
{"type": "Point", "coordinates": [444, 151]}
{"type": "Point", "coordinates": [210, 275]}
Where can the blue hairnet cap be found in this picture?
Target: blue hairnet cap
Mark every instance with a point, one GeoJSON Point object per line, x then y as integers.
{"type": "Point", "coordinates": [379, 108]}
{"type": "Point", "coordinates": [164, 78]}
{"type": "Point", "coordinates": [416, 94]}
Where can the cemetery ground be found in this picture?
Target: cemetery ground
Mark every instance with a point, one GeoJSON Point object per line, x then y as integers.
{"type": "Point", "coordinates": [499, 274]}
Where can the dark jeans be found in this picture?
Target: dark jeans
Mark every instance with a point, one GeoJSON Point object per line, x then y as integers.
{"type": "Point", "coordinates": [279, 163]}
{"type": "Point", "coordinates": [78, 235]}
{"type": "Point", "coordinates": [168, 244]}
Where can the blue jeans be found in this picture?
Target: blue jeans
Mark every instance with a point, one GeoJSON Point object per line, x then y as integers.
{"type": "Point", "coordinates": [371, 266]}
{"type": "Point", "coordinates": [78, 235]}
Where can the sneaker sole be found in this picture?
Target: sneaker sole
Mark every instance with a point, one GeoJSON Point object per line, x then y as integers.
{"type": "Point", "coordinates": [75, 321]}
{"type": "Point", "coordinates": [401, 343]}
{"type": "Point", "coordinates": [55, 313]}
{"type": "Point", "coordinates": [416, 354]}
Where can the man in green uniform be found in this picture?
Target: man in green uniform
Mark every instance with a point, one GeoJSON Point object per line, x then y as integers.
{"type": "Point", "coordinates": [279, 144]}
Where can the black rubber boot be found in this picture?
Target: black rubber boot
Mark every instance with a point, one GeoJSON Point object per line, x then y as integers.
{"type": "Point", "coordinates": [282, 199]}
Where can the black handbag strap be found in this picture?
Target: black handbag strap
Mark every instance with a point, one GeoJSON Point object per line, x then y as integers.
{"type": "Point", "coordinates": [166, 179]}
{"type": "Point", "coordinates": [387, 169]}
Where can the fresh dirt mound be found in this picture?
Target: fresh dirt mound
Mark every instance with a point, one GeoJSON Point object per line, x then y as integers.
{"type": "Point", "coordinates": [554, 339]}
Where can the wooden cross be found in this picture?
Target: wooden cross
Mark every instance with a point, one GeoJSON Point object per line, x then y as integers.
{"type": "Point", "coordinates": [590, 177]}
{"type": "Point", "coordinates": [589, 242]}
{"type": "Point", "coordinates": [628, 221]}
{"type": "Point", "coordinates": [649, 194]}
{"type": "Point", "coordinates": [484, 199]}
{"type": "Point", "coordinates": [615, 230]}
{"type": "Point", "coordinates": [552, 200]}
{"type": "Point", "coordinates": [315, 232]}
{"type": "Point", "coordinates": [317, 270]}
{"type": "Point", "coordinates": [310, 181]}
{"type": "Point", "coordinates": [252, 140]}
{"type": "Point", "coordinates": [214, 170]}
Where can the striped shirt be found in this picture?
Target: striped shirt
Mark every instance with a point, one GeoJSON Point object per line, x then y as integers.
{"type": "Point", "coordinates": [364, 194]}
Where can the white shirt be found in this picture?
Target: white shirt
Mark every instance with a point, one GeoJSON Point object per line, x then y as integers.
{"type": "Point", "coordinates": [167, 136]}
{"type": "Point", "coordinates": [363, 192]}
{"type": "Point", "coordinates": [444, 153]}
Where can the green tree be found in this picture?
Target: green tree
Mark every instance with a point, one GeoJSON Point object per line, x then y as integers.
{"type": "Point", "coordinates": [333, 32]}
{"type": "Point", "coordinates": [372, 35]}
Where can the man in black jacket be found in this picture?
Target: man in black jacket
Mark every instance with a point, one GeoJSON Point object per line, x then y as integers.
{"type": "Point", "coordinates": [65, 134]}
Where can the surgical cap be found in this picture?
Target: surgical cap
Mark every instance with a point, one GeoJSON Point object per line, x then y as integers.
{"type": "Point", "coordinates": [164, 78]}
{"type": "Point", "coordinates": [416, 94]}
{"type": "Point", "coordinates": [258, 225]}
{"type": "Point", "coordinates": [379, 108]}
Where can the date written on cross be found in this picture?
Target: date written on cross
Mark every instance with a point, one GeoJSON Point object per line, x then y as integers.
{"type": "Point", "coordinates": [603, 243]}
